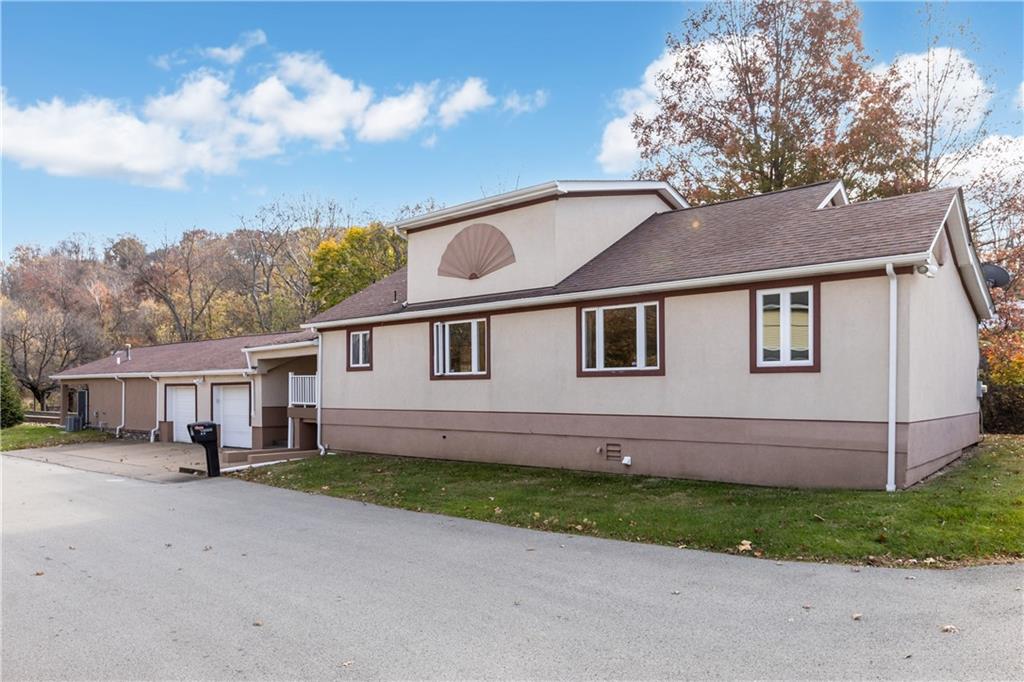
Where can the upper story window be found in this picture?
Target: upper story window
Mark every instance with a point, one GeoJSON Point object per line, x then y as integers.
{"type": "Point", "coordinates": [785, 327]}
{"type": "Point", "coordinates": [621, 339]}
{"type": "Point", "coordinates": [460, 349]}
{"type": "Point", "coordinates": [360, 350]}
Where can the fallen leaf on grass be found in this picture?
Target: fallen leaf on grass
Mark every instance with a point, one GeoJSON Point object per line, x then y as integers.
{"type": "Point", "coordinates": [819, 517]}
{"type": "Point", "coordinates": [744, 546]}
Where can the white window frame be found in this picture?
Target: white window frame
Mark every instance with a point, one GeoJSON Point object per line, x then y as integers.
{"type": "Point", "coordinates": [641, 337]}
{"type": "Point", "coordinates": [352, 346]}
{"type": "Point", "coordinates": [442, 348]}
{"type": "Point", "coordinates": [785, 330]}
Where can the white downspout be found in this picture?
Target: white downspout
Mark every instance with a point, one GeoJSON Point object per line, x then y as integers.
{"type": "Point", "coordinates": [890, 479]}
{"type": "Point", "coordinates": [319, 391]}
{"type": "Point", "coordinates": [152, 432]}
{"type": "Point", "coordinates": [117, 431]}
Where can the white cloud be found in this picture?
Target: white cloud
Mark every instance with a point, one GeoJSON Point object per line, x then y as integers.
{"type": "Point", "coordinates": [326, 107]}
{"type": "Point", "coordinates": [1020, 96]}
{"type": "Point", "coordinates": [394, 118]}
{"type": "Point", "coordinates": [998, 154]}
{"type": "Point", "coordinates": [619, 153]}
{"type": "Point", "coordinates": [207, 125]}
{"type": "Point", "coordinates": [524, 104]}
{"type": "Point", "coordinates": [962, 99]}
{"type": "Point", "coordinates": [96, 137]}
{"type": "Point", "coordinates": [471, 96]}
{"type": "Point", "coordinates": [235, 52]}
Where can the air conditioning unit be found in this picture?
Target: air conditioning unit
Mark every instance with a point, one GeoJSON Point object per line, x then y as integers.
{"type": "Point", "coordinates": [73, 423]}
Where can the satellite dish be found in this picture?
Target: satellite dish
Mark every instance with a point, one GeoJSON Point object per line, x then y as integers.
{"type": "Point", "coordinates": [995, 276]}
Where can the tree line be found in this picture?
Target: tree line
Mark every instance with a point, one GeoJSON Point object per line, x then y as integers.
{"type": "Point", "coordinates": [79, 300]}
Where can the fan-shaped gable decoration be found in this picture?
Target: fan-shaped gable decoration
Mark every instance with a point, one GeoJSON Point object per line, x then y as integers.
{"type": "Point", "coordinates": [475, 252]}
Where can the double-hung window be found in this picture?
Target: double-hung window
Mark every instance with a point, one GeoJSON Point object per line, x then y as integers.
{"type": "Point", "coordinates": [785, 327]}
{"type": "Point", "coordinates": [359, 350]}
{"type": "Point", "coordinates": [621, 338]}
{"type": "Point", "coordinates": [460, 348]}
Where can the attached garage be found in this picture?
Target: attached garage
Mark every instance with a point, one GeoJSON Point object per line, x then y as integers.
{"type": "Point", "coordinates": [232, 410]}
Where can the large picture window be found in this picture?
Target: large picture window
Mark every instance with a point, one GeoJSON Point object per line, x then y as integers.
{"type": "Point", "coordinates": [785, 327]}
{"type": "Point", "coordinates": [622, 338]}
{"type": "Point", "coordinates": [360, 350]}
{"type": "Point", "coordinates": [460, 348]}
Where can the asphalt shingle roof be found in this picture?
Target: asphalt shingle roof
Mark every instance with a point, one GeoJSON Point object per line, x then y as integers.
{"type": "Point", "coordinates": [764, 232]}
{"type": "Point", "coordinates": [197, 356]}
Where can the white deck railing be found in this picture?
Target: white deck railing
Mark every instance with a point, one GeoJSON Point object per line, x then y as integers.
{"type": "Point", "coordinates": [302, 390]}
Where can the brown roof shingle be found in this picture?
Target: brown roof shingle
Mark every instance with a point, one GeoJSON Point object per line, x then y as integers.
{"type": "Point", "coordinates": [764, 232]}
{"type": "Point", "coordinates": [192, 356]}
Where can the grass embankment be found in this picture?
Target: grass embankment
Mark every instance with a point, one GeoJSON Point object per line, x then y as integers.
{"type": "Point", "coordinates": [974, 512]}
{"type": "Point", "coordinates": [43, 436]}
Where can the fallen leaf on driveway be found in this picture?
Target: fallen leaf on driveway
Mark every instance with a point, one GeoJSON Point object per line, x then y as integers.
{"type": "Point", "coordinates": [950, 628]}
{"type": "Point", "coordinates": [807, 607]}
{"type": "Point", "coordinates": [347, 664]}
{"type": "Point", "coordinates": [857, 616]}
{"type": "Point", "coordinates": [207, 548]}
{"type": "Point", "coordinates": [71, 546]}
{"type": "Point", "coordinates": [257, 623]}
{"type": "Point", "coordinates": [675, 591]}
{"type": "Point", "coordinates": [40, 573]}
{"type": "Point", "coordinates": [744, 546]}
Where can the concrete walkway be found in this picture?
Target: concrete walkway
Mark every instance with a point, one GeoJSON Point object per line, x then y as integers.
{"type": "Point", "coordinates": [112, 578]}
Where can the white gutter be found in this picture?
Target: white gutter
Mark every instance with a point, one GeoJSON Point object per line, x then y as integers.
{"type": "Point", "coordinates": [554, 188]}
{"type": "Point", "coordinates": [152, 432]}
{"type": "Point", "coordinates": [280, 346]}
{"type": "Point", "coordinates": [117, 431]}
{"type": "Point", "coordinates": [145, 375]}
{"type": "Point", "coordinates": [890, 478]}
{"type": "Point", "coordinates": [319, 394]}
{"type": "Point", "coordinates": [640, 289]}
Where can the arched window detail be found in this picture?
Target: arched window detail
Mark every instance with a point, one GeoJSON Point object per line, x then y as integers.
{"type": "Point", "coordinates": [476, 252]}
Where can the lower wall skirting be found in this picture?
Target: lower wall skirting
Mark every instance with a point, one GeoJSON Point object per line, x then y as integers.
{"type": "Point", "coordinates": [755, 451]}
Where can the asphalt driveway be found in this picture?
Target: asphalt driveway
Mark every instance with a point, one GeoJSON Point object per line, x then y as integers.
{"type": "Point", "coordinates": [131, 458]}
{"type": "Point", "coordinates": [112, 578]}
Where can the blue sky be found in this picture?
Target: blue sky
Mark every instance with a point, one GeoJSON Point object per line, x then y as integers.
{"type": "Point", "coordinates": [449, 101]}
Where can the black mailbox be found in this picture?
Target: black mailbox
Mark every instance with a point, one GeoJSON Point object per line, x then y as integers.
{"type": "Point", "coordinates": [205, 433]}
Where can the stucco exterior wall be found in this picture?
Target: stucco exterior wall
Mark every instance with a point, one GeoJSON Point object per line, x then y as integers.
{"type": "Point", "coordinates": [706, 355]}
{"type": "Point", "coordinates": [550, 240]}
{"type": "Point", "coordinates": [943, 335]}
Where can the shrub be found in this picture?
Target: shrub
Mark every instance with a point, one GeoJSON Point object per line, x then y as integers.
{"type": "Point", "coordinates": [1002, 409]}
{"type": "Point", "coordinates": [11, 411]}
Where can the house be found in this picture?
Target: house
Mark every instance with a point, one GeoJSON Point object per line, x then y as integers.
{"type": "Point", "coordinates": [790, 338]}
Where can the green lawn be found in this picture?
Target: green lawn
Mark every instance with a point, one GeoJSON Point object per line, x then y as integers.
{"type": "Point", "coordinates": [974, 512]}
{"type": "Point", "coordinates": [43, 435]}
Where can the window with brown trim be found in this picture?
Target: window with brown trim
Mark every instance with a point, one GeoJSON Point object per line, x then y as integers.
{"type": "Point", "coordinates": [785, 329]}
{"type": "Point", "coordinates": [620, 338]}
{"type": "Point", "coordinates": [360, 350]}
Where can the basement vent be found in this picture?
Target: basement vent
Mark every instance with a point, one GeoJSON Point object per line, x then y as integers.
{"type": "Point", "coordinates": [613, 452]}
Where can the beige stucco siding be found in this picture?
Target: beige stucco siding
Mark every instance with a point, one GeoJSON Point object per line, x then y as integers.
{"type": "Point", "coordinates": [550, 240]}
{"type": "Point", "coordinates": [943, 336]}
{"type": "Point", "coordinates": [533, 365]}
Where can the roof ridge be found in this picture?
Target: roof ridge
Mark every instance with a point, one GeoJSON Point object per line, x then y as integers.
{"type": "Point", "coordinates": [878, 200]}
{"type": "Point", "coordinates": [222, 338]}
{"type": "Point", "coordinates": [755, 196]}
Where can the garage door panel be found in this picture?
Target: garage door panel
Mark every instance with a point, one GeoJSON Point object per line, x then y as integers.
{"type": "Point", "coordinates": [231, 410]}
{"type": "Point", "coordinates": [181, 410]}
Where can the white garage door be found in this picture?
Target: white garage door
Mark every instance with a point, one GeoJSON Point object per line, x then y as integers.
{"type": "Point", "coordinates": [181, 409]}
{"type": "Point", "coordinates": [231, 411]}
